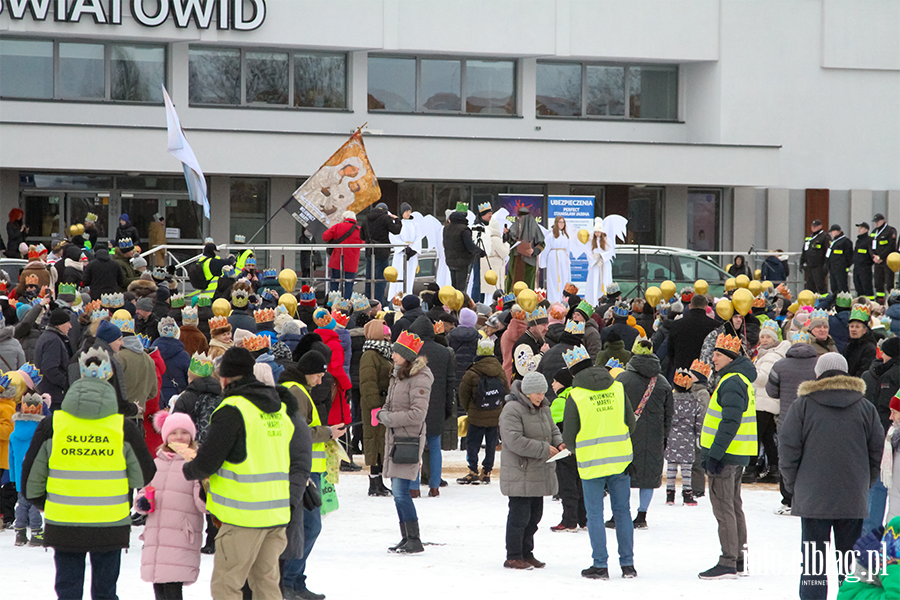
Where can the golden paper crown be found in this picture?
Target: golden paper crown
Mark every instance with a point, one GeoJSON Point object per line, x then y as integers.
{"type": "Point", "coordinates": [256, 342]}
{"type": "Point", "coordinates": [759, 302]}
{"type": "Point", "coordinates": [438, 327]}
{"type": "Point", "coordinates": [683, 378]}
{"type": "Point", "coordinates": [264, 315]}
{"type": "Point", "coordinates": [701, 367]}
{"type": "Point", "coordinates": [32, 280]}
{"type": "Point", "coordinates": [218, 323]}
{"type": "Point", "coordinates": [571, 289]}
{"type": "Point", "coordinates": [729, 343]}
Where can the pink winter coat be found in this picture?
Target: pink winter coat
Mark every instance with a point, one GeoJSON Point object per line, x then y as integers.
{"type": "Point", "coordinates": [174, 531]}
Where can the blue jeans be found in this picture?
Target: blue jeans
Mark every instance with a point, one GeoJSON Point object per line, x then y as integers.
{"type": "Point", "coordinates": [619, 487]}
{"type": "Point", "coordinates": [380, 265]}
{"type": "Point", "coordinates": [70, 574]}
{"type": "Point", "coordinates": [877, 502]}
{"type": "Point", "coordinates": [645, 496]}
{"type": "Point", "coordinates": [294, 574]}
{"type": "Point", "coordinates": [434, 463]}
{"type": "Point", "coordinates": [348, 277]}
{"type": "Point", "coordinates": [406, 510]}
{"type": "Point", "coordinates": [27, 515]}
{"type": "Point", "coordinates": [476, 281]}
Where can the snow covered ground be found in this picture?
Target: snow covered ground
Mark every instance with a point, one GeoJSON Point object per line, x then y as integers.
{"type": "Point", "coordinates": [467, 525]}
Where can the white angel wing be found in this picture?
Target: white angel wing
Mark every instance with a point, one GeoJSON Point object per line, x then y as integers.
{"type": "Point", "coordinates": [615, 226]}
{"type": "Point", "coordinates": [542, 257]}
{"type": "Point", "coordinates": [577, 248]}
{"type": "Point", "coordinates": [501, 216]}
{"type": "Point", "coordinates": [430, 229]}
{"type": "Point", "coordinates": [470, 217]}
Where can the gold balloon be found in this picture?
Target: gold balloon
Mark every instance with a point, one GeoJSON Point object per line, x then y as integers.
{"type": "Point", "coordinates": [757, 274]}
{"type": "Point", "coordinates": [768, 285]}
{"type": "Point", "coordinates": [667, 288]}
{"type": "Point", "coordinates": [728, 267]}
{"type": "Point", "coordinates": [289, 301]}
{"type": "Point", "coordinates": [490, 277]}
{"type": "Point", "coordinates": [288, 279]}
{"type": "Point", "coordinates": [755, 287]}
{"type": "Point", "coordinates": [221, 307]}
{"type": "Point", "coordinates": [583, 236]}
{"type": "Point", "coordinates": [793, 308]}
{"type": "Point", "coordinates": [724, 309]}
{"type": "Point", "coordinates": [701, 287]}
{"type": "Point", "coordinates": [742, 281]}
{"type": "Point", "coordinates": [518, 287]}
{"type": "Point", "coordinates": [390, 273]}
{"type": "Point", "coordinates": [447, 294]}
{"type": "Point", "coordinates": [893, 261]}
{"type": "Point", "coordinates": [806, 298]}
{"type": "Point", "coordinates": [527, 299]}
{"type": "Point", "coordinates": [743, 301]}
{"type": "Point", "coordinates": [457, 301]}
{"type": "Point", "coordinates": [653, 295]}
{"type": "Point", "coordinates": [730, 284]}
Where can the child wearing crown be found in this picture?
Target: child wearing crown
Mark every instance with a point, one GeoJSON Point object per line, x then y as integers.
{"type": "Point", "coordinates": [30, 413]}
{"type": "Point", "coordinates": [684, 437]}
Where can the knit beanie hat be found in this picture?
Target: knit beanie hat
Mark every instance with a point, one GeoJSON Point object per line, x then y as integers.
{"type": "Point", "coordinates": [891, 347]}
{"type": "Point", "coordinates": [816, 322]}
{"type": "Point", "coordinates": [108, 332]}
{"type": "Point", "coordinates": [374, 330]}
{"type": "Point", "coordinates": [145, 304]}
{"type": "Point", "coordinates": [22, 309]}
{"type": "Point", "coordinates": [830, 361]}
{"type": "Point", "coordinates": [895, 403]}
{"type": "Point", "coordinates": [410, 302]}
{"type": "Point", "coordinates": [534, 383]}
{"type": "Point", "coordinates": [236, 362]}
{"type": "Point", "coordinates": [311, 363]}
{"type": "Point", "coordinates": [165, 423]}
{"type": "Point", "coordinates": [564, 377]}
{"type": "Point", "coordinates": [485, 347]}
{"type": "Point", "coordinates": [59, 317]}
{"type": "Point", "coordinates": [467, 318]}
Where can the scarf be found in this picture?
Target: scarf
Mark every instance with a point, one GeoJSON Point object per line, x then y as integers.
{"type": "Point", "coordinates": [382, 346]}
{"type": "Point", "coordinates": [887, 457]}
{"type": "Point", "coordinates": [217, 344]}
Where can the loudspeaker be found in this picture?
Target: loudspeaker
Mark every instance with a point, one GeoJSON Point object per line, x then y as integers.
{"type": "Point", "coordinates": [639, 215]}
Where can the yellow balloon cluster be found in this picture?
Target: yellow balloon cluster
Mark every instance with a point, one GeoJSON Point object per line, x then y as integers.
{"type": "Point", "coordinates": [518, 287]}
{"type": "Point", "coordinates": [730, 284]}
{"type": "Point", "coordinates": [743, 301]}
{"type": "Point", "coordinates": [701, 287]}
{"type": "Point", "coordinates": [653, 295]}
{"type": "Point", "coordinates": [742, 281]}
{"type": "Point", "coordinates": [527, 299]}
{"type": "Point", "coordinates": [724, 309]}
{"type": "Point", "coordinates": [390, 273]}
{"type": "Point", "coordinates": [288, 279]}
{"type": "Point", "coordinates": [289, 301]}
{"type": "Point", "coordinates": [806, 298]}
{"type": "Point", "coordinates": [446, 295]}
{"type": "Point", "coordinates": [757, 274]}
{"type": "Point", "coordinates": [667, 288]}
{"type": "Point", "coordinates": [457, 301]}
{"type": "Point", "coordinates": [490, 277]}
{"type": "Point", "coordinates": [755, 287]}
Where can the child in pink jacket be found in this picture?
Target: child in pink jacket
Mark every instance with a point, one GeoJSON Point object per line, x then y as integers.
{"type": "Point", "coordinates": [174, 530]}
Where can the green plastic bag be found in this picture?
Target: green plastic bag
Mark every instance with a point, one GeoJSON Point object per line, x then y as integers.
{"type": "Point", "coordinates": [329, 496]}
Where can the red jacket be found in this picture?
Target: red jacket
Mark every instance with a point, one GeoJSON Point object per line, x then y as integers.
{"type": "Point", "coordinates": [350, 255]}
{"type": "Point", "coordinates": [151, 436]}
{"type": "Point", "coordinates": [340, 410]}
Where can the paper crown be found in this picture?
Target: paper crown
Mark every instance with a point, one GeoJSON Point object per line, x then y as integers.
{"type": "Point", "coordinates": [125, 324]}
{"type": "Point", "coordinates": [201, 365]}
{"type": "Point", "coordinates": [844, 300]}
{"type": "Point", "coordinates": [32, 403]}
{"type": "Point", "coordinates": [639, 348]}
{"type": "Point", "coordinates": [209, 240]}
{"type": "Point", "coordinates": [218, 323]}
{"type": "Point", "coordinates": [517, 313]}
{"type": "Point", "coordinates": [322, 318]}
{"type": "Point", "coordinates": [575, 327]}
{"type": "Point", "coordinates": [281, 309]}
{"type": "Point", "coordinates": [7, 386]}
{"type": "Point", "coordinates": [397, 300]}
{"type": "Point", "coordinates": [614, 363]}
{"type": "Point", "coordinates": [116, 300]}
{"type": "Point", "coordinates": [91, 217]}
{"type": "Point", "coordinates": [268, 294]}
{"type": "Point", "coordinates": [683, 378]}
{"type": "Point", "coordinates": [177, 301]}
{"type": "Point", "coordinates": [99, 314]}
{"type": "Point", "coordinates": [239, 239]}
{"type": "Point", "coordinates": [167, 327]}
{"type": "Point", "coordinates": [264, 315]}
{"type": "Point", "coordinates": [203, 301]}
{"type": "Point", "coordinates": [570, 289]}
{"type": "Point", "coordinates": [190, 316]}
{"type": "Point", "coordinates": [613, 288]}
{"type": "Point", "coordinates": [860, 313]}
{"type": "Point", "coordinates": [92, 306]}
{"type": "Point", "coordinates": [410, 341]}
{"type": "Point", "coordinates": [783, 291]}
{"type": "Point", "coordinates": [620, 310]}
{"type": "Point", "coordinates": [32, 372]}
{"type": "Point", "coordinates": [95, 363]}
{"type": "Point", "coordinates": [538, 316]}
{"type": "Point", "coordinates": [558, 311]}
{"type": "Point", "coordinates": [257, 342]}
{"type": "Point", "coordinates": [67, 288]}
{"type": "Point", "coordinates": [506, 301]}
{"type": "Point", "coordinates": [484, 207]}
{"type": "Point", "coordinates": [701, 367]}
{"type": "Point", "coordinates": [270, 274]}
{"type": "Point", "coordinates": [146, 341]}
{"type": "Point", "coordinates": [541, 294]}
{"type": "Point", "coordinates": [801, 337]}
{"type": "Point", "coordinates": [307, 295]}
{"type": "Point", "coordinates": [32, 280]}
{"type": "Point", "coordinates": [227, 271]}
{"type": "Point", "coordinates": [771, 326]}
{"type": "Point", "coordinates": [332, 296]}
{"type": "Point", "coordinates": [818, 314]}
{"type": "Point", "coordinates": [360, 302]}
{"type": "Point", "coordinates": [342, 304]}
{"type": "Point", "coordinates": [575, 356]}
{"type": "Point", "coordinates": [2, 287]}
{"type": "Point", "coordinates": [340, 318]}
{"type": "Point", "coordinates": [585, 308]}
{"type": "Point", "coordinates": [438, 327]}
{"type": "Point", "coordinates": [33, 253]}
{"type": "Point", "coordinates": [687, 294]}
{"type": "Point", "coordinates": [126, 243]}
{"type": "Point", "coordinates": [240, 298]}
{"type": "Point", "coordinates": [759, 302]}
{"type": "Point", "coordinates": [462, 207]}
{"type": "Point", "coordinates": [729, 343]}
{"type": "Point", "coordinates": [250, 262]}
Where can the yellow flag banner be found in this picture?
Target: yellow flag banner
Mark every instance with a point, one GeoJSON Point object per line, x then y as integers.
{"type": "Point", "coordinates": [345, 182]}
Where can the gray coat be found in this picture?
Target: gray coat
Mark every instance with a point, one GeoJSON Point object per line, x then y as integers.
{"type": "Point", "coordinates": [797, 366]}
{"type": "Point", "coordinates": [527, 432]}
{"type": "Point", "coordinates": [403, 415]}
{"type": "Point", "coordinates": [11, 354]}
{"type": "Point", "coordinates": [829, 449]}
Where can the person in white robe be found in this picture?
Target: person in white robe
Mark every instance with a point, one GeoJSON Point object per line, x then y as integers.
{"type": "Point", "coordinates": [556, 259]}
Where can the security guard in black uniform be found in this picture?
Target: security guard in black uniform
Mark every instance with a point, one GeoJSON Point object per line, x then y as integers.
{"type": "Point", "coordinates": [840, 257]}
{"type": "Point", "coordinates": [813, 258]}
{"type": "Point", "coordinates": [862, 262]}
{"type": "Point", "coordinates": [884, 241]}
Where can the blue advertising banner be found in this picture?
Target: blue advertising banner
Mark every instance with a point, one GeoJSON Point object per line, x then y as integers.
{"type": "Point", "coordinates": [578, 212]}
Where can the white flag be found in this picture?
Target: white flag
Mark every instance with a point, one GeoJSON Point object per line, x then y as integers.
{"type": "Point", "coordinates": [179, 147]}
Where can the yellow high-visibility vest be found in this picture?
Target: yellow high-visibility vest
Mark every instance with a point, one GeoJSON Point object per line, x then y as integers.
{"type": "Point", "coordinates": [603, 444]}
{"type": "Point", "coordinates": [242, 259]}
{"type": "Point", "coordinates": [88, 483]}
{"type": "Point", "coordinates": [744, 443]}
{"type": "Point", "coordinates": [212, 281]}
{"type": "Point", "coordinates": [318, 450]}
{"type": "Point", "coordinates": [255, 492]}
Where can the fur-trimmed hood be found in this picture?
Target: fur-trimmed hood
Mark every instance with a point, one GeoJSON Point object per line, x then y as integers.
{"type": "Point", "coordinates": [838, 390]}
{"type": "Point", "coordinates": [420, 363]}
{"type": "Point", "coordinates": [142, 288]}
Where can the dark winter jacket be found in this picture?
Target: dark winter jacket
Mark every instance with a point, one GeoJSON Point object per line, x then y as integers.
{"type": "Point", "coordinates": [357, 339]}
{"type": "Point", "coordinates": [103, 275]}
{"type": "Point", "coordinates": [772, 270]}
{"type": "Point", "coordinates": [200, 399]}
{"type": "Point", "coordinates": [686, 336]}
{"type": "Point", "coordinates": [592, 341]}
{"type": "Point", "coordinates": [484, 366]}
{"type": "Point", "coordinates": [553, 361]}
{"type": "Point", "coordinates": [87, 398]}
{"type": "Point", "coordinates": [375, 377]}
{"type": "Point", "coordinates": [322, 393]}
{"type": "Point", "coordinates": [860, 353]}
{"type": "Point", "coordinates": [128, 231]}
{"type": "Point", "coordinates": [841, 256]}
{"type": "Point", "coordinates": [28, 332]}
{"type": "Point", "coordinates": [592, 378]}
{"type": "Point", "coordinates": [14, 238]}
{"type": "Point", "coordinates": [797, 366]}
{"type": "Point", "coordinates": [241, 318]}
{"type": "Point", "coordinates": [625, 331]}
{"type": "Point", "coordinates": [128, 272]}
{"type": "Point", "coordinates": [174, 380]}
{"type": "Point", "coordinates": [882, 382]}
{"type": "Point", "coordinates": [829, 449]}
{"type": "Point", "coordinates": [459, 247]}
{"type": "Point", "coordinates": [441, 405]}
{"type": "Point", "coordinates": [839, 328]}
{"type": "Point", "coordinates": [464, 341]}
{"type": "Point", "coordinates": [52, 355]}
{"type": "Point", "coordinates": [732, 397]}
{"type": "Point", "coordinates": [148, 326]}
{"type": "Point", "coordinates": [379, 225]}
{"type": "Point", "coordinates": [405, 322]}
{"type": "Point", "coordinates": [648, 440]}
{"type": "Point", "coordinates": [615, 350]}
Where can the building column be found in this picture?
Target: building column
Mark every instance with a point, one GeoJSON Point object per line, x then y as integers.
{"type": "Point", "coordinates": [893, 207]}
{"type": "Point", "coordinates": [778, 216]}
{"type": "Point", "coordinates": [744, 219]}
{"type": "Point", "coordinates": [860, 210]}
{"type": "Point", "coordinates": [9, 190]}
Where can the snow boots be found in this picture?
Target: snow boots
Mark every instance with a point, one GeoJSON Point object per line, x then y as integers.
{"type": "Point", "coordinates": [37, 538]}
{"type": "Point", "coordinates": [640, 521]}
{"type": "Point", "coordinates": [376, 486]}
{"type": "Point", "coordinates": [670, 497]}
{"type": "Point", "coordinates": [471, 478]}
{"type": "Point", "coordinates": [411, 542]}
{"type": "Point", "coordinates": [485, 476]}
{"type": "Point", "coordinates": [688, 497]}
{"type": "Point", "coordinates": [21, 537]}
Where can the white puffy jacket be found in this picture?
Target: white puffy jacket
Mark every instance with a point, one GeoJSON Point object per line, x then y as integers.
{"type": "Point", "coordinates": [765, 360]}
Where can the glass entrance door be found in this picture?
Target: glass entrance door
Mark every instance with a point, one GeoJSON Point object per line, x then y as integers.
{"type": "Point", "coordinates": [42, 217]}
{"type": "Point", "coordinates": [79, 205]}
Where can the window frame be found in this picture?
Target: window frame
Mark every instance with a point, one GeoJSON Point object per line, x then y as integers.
{"type": "Point", "coordinates": [291, 52]}
{"type": "Point", "coordinates": [463, 91]}
{"type": "Point", "coordinates": [627, 91]}
{"type": "Point", "coordinates": [107, 70]}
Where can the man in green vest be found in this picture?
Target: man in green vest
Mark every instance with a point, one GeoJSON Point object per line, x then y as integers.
{"type": "Point", "coordinates": [83, 460]}
{"type": "Point", "coordinates": [299, 380]}
{"type": "Point", "coordinates": [251, 451]}
{"type": "Point", "coordinates": [727, 443]}
{"type": "Point", "coordinates": [597, 425]}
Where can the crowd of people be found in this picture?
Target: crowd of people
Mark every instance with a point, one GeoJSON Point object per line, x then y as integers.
{"type": "Point", "coordinates": [229, 412]}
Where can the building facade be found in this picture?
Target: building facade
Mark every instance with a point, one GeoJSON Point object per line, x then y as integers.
{"type": "Point", "coordinates": [736, 122]}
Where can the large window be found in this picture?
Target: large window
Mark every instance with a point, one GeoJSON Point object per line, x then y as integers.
{"type": "Point", "coordinates": [566, 89]}
{"type": "Point", "coordinates": [86, 71]}
{"type": "Point", "coordinates": [703, 219]}
{"type": "Point", "coordinates": [231, 76]}
{"type": "Point", "coordinates": [442, 85]}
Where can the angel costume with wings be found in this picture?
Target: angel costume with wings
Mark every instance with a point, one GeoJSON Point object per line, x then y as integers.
{"type": "Point", "coordinates": [412, 237]}
{"type": "Point", "coordinates": [428, 233]}
{"type": "Point", "coordinates": [600, 259]}
{"type": "Point", "coordinates": [555, 258]}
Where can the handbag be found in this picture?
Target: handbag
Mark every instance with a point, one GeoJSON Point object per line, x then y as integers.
{"type": "Point", "coordinates": [312, 497]}
{"type": "Point", "coordinates": [405, 450]}
{"type": "Point", "coordinates": [640, 408]}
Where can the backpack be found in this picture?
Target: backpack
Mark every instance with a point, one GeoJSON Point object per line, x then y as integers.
{"type": "Point", "coordinates": [202, 413]}
{"type": "Point", "coordinates": [490, 393]}
{"type": "Point", "coordinates": [196, 276]}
